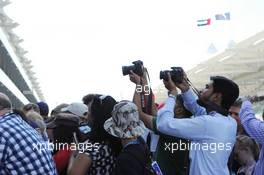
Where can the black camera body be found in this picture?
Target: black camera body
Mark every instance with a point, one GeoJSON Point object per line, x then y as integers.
{"type": "Point", "coordinates": [136, 68]}
{"type": "Point", "coordinates": [176, 75]}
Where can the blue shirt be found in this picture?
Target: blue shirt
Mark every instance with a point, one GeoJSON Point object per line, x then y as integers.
{"type": "Point", "coordinates": [255, 129]}
{"type": "Point", "coordinates": [212, 135]}
{"type": "Point", "coordinates": [19, 153]}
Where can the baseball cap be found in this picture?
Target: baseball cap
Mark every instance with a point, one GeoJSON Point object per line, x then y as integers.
{"type": "Point", "coordinates": [78, 109]}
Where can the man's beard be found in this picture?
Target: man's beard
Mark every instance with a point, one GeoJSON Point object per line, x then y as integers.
{"type": "Point", "coordinates": [211, 106]}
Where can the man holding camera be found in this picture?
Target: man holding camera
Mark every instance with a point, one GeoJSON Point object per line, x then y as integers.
{"type": "Point", "coordinates": [211, 131]}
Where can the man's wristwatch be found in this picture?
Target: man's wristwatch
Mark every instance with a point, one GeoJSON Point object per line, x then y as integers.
{"type": "Point", "coordinates": [172, 96]}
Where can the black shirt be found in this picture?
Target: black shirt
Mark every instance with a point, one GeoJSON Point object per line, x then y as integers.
{"type": "Point", "coordinates": [133, 159]}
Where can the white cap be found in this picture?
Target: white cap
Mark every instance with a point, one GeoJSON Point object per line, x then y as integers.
{"type": "Point", "coordinates": [78, 109]}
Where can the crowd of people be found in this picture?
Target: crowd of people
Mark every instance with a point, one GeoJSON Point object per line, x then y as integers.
{"type": "Point", "coordinates": [211, 133]}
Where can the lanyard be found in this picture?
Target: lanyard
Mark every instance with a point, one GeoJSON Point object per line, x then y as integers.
{"type": "Point", "coordinates": [134, 142]}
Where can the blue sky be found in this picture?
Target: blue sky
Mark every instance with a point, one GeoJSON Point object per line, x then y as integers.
{"type": "Point", "coordinates": [78, 47]}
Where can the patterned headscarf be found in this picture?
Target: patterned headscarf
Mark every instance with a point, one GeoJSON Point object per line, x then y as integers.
{"type": "Point", "coordinates": [125, 122]}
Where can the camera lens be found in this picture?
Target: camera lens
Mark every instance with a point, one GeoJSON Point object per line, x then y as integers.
{"type": "Point", "coordinates": [163, 75]}
{"type": "Point", "coordinates": [126, 69]}
{"type": "Point", "coordinates": [136, 68]}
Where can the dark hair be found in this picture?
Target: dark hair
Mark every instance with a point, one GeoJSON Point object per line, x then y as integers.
{"type": "Point", "coordinates": [238, 103]}
{"type": "Point", "coordinates": [65, 126]}
{"type": "Point", "coordinates": [5, 103]}
{"type": "Point", "coordinates": [263, 115]}
{"type": "Point", "coordinates": [244, 142]}
{"type": "Point", "coordinates": [64, 134]}
{"type": "Point", "coordinates": [88, 98]}
{"type": "Point", "coordinates": [58, 108]}
{"type": "Point", "coordinates": [228, 89]}
{"type": "Point", "coordinates": [101, 110]}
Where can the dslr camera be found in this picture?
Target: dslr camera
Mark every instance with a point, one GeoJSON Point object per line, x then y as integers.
{"type": "Point", "coordinates": [136, 68]}
{"type": "Point", "coordinates": [176, 75]}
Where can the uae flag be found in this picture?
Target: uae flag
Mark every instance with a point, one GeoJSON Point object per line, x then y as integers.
{"type": "Point", "coordinates": [203, 22]}
{"type": "Point", "coordinates": [225, 16]}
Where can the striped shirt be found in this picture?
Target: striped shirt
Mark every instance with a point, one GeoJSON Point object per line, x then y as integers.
{"type": "Point", "coordinates": [255, 129]}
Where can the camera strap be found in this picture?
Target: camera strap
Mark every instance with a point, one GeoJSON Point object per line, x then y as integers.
{"type": "Point", "coordinates": [142, 97]}
{"type": "Point", "coordinates": [196, 91]}
{"type": "Point", "coordinates": [146, 103]}
{"type": "Point", "coordinates": [209, 106]}
{"type": "Point", "coordinates": [150, 96]}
